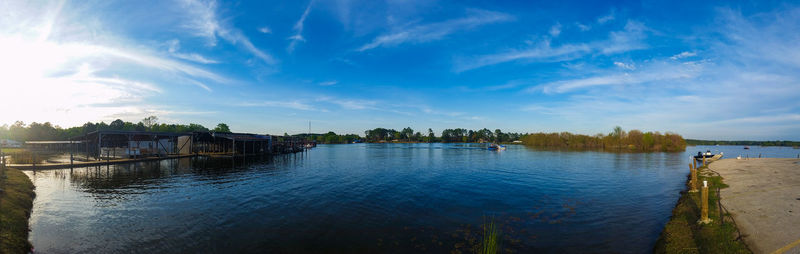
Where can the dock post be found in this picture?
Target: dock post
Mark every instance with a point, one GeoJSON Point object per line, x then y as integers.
{"type": "Point", "coordinates": [71, 153]}
{"type": "Point", "coordinates": [704, 160]}
{"type": "Point", "coordinates": [693, 181]}
{"type": "Point", "coordinates": [704, 202]}
{"type": "Point", "coordinates": [99, 145]}
{"type": "Point", "coordinates": [2, 163]}
{"type": "Point", "coordinates": [694, 161]}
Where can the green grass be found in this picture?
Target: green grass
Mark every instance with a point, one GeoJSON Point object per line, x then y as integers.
{"type": "Point", "coordinates": [491, 238]}
{"type": "Point", "coordinates": [683, 234]}
{"type": "Point", "coordinates": [16, 201]}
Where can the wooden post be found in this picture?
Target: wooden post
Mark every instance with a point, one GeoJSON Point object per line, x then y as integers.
{"type": "Point", "coordinates": [694, 161]}
{"type": "Point", "coordinates": [693, 181]}
{"type": "Point", "coordinates": [71, 152]}
{"type": "Point", "coordinates": [99, 145]}
{"type": "Point", "coordinates": [704, 160]}
{"type": "Point", "coordinates": [704, 203]}
{"type": "Point", "coordinates": [2, 162]}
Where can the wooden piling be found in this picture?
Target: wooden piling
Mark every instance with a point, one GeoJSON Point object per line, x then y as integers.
{"type": "Point", "coordinates": [693, 181]}
{"type": "Point", "coordinates": [704, 205]}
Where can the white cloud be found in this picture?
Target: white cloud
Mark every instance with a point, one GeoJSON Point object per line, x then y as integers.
{"type": "Point", "coordinates": [654, 72]}
{"type": "Point", "coordinates": [265, 30]}
{"type": "Point", "coordinates": [625, 66]}
{"type": "Point", "coordinates": [682, 55]}
{"type": "Point", "coordinates": [748, 88]}
{"type": "Point", "coordinates": [81, 76]}
{"type": "Point", "coordinates": [203, 21]}
{"type": "Point", "coordinates": [631, 38]}
{"type": "Point", "coordinates": [436, 31]}
{"type": "Point", "coordinates": [555, 30]}
{"type": "Point", "coordinates": [583, 27]}
{"type": "Point", "coordinates": [329, 83]}
{"type": "Point", "coordinates": [298, 28]}
{"type": "Point", "coordinates": [280, 104]}
{"type": "Point", "coordinates": [350, 103]}
{"type": "Point", "coordinates": [174, 46]}
{"type": "Point", "coordinates": [606, 18]}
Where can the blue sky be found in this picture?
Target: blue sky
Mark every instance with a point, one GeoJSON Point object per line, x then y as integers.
{"type": "Point", "coordinates": [726, 70]}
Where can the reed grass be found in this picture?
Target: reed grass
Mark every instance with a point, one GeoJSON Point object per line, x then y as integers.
{"type": "Point", "coordinates": [491, 238]}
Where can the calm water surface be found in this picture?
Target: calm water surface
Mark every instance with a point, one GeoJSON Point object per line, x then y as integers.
{"type": "Point", "coordinates": [388, 198]}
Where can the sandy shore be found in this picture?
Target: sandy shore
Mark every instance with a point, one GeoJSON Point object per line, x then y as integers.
{"type": "Point", "coordinates": [764, 199]}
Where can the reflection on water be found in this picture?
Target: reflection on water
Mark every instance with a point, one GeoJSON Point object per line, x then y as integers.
{"type": "Point", "coordinates": [395, 198]}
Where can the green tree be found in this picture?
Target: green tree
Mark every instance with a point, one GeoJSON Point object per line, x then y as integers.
{"type": "Point", "coordinates": [221, 127]}
{"type": "Point", "coordinates": [150, 121]}
{"type": "Point", "coordinates": [117, 125]}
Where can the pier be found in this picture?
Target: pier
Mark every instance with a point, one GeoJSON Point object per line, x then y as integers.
{"type": "Point", "coordinates": [117, 147]}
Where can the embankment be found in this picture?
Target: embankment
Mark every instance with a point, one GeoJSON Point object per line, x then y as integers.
{"type": "Point", "coordinates": [683, 234]}
{"type": "Point", "coordinates": [16, 201]}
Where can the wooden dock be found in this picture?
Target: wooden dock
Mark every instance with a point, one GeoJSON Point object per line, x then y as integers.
{"type": "Point", "coordinates": [118, 147]}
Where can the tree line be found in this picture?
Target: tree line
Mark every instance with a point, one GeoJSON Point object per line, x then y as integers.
{"type": "Point", "coordinates": [20, 131]}
{"type": "Point", "coordinates": [448, 135]}
{"type": "Point", "coordinates": [697, 142]}
{"type": "Point", "coordinates": [618, 139]}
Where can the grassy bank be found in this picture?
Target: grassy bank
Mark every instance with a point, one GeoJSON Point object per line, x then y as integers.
{"type": "Point", "coordinates": [16, 201]}
{"type": "Point", "coordinates": [683, 234]}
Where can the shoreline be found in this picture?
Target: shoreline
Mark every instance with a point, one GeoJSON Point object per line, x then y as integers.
{"type": "Point", "coordinates": [16, 203]}
{"type": "Point", "coordinates": [683, 234]}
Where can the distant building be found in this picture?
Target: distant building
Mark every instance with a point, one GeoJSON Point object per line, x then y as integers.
{"type": "Point", "coordinates": [10, 143]}
{"type": "Point", "coordinates": [517, 141]}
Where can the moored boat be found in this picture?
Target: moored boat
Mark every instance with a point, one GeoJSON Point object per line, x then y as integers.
{"type": "Point", "coordinates": [494, 146]}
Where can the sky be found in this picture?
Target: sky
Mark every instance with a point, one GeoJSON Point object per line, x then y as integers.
{"type": "Point", "coordinates": [707, 70]}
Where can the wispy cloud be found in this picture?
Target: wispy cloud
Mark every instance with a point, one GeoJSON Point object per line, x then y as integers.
{"type": "Point", "coordinates": [204, 22]}
{"type": "Point", "coordinates": [656, 71]}
{"type": "Point", "coordinates": [631, 38]}
{"type": "Point", "coordinates": [583, 27]}
{"type": "Point", "coordinates": [353, 104]}
{"type": "Point", "coordinates": [298, 105]}
{"type": "Point", "coordinates": [329, 83]}
{"type": "Point", "coordinates": [682, 55]}
{"type": "Point", "coordinates": [611, 16]}
{"type": "Point", "coordinates": [436, 31]}
{"type": "Point", "coordinates": [625, 66]}
{"type": "Point", "coordinates": [174, 46]}
{"type": "Point", "coordinates": [298, 28]}
{"type": "Point", "coordinates": [555, 30]}
{"type": "Point", "coordinates": [265, 30]}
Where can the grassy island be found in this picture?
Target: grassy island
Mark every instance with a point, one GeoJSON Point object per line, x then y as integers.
{"type": "Point", "coordinates": [619, 139]}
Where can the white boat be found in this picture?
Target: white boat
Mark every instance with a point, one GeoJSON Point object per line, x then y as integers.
{"type": "Point", "coordinates": [494, 146]}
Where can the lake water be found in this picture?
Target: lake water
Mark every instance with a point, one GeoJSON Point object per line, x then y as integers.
{"type": "Point", "coordinates": [367, 198]}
